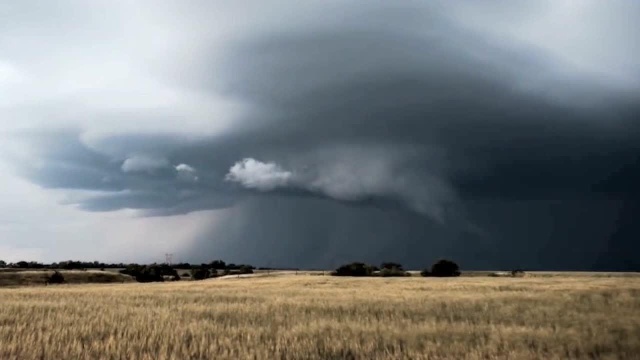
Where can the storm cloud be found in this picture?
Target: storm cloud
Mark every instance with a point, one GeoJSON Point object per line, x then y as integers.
{"type": "Point", "coordinates": [501, 135]}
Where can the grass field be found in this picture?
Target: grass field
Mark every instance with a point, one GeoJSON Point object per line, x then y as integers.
{"type": "Point", "coordinates": [322, 317]}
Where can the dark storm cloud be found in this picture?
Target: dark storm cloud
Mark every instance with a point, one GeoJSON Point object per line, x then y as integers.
{"type": "Point", "coordinates": [547, 160]}
{"type": "Point", "coordinates": [170, 186]}
{"type": "Point", "coordinates": [388, 88]}
{"type": "Point", "coordinates": [515, 157]}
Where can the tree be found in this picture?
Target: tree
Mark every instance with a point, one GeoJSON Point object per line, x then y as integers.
{"type": "Point", "coordinates": [354, 269]}
{"type": "Point", "coordinates": [3, 264]}
{"type": "Point", "coordinates": [200, 274]}
{"type": "Point", "coordinates": [55, 278]}
{"type": "Point", "coordinates": [443, 268]}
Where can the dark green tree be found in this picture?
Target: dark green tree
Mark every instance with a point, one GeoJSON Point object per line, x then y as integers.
{"type": "Point", "coordinates": [200, 274]}
{"type": "Point", "coordinates": [55, 278]}
{"type": "Point", "coordinates": [443, 268]}
{"type": "Point", "coordinates": [354, 269]}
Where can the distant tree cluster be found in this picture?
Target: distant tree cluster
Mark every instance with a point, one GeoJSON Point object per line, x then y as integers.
{"type": "Point", "coordinates": [63, 265]}
{"type": "Point", "coordinates": [362, 269]}
{"type": "Point", "coordinates": [165, 272]}
{"type": "Point", "coordinates": [219, 268]}
{"type": "Point", "coordinates": [442, 268]}
{"type": "Point", "coordinates": [151, 273]}
{"type": "Point", "coordinates": [142, 273]}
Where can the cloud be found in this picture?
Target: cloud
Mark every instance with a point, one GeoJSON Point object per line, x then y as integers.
{"type": "Point", "coordinates": [254, 174]}
{"type": "Point", "coordinates": [186, 173]}
{"type": "Point", "coordinates": [144, 163]}
{"type": "Point", "coordinates": [354, 174]}
{"type": "Point", "coordinates": [370, 116]}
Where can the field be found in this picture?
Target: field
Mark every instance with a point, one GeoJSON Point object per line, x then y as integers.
{"type": "Point", "coordinates": [322, 317]}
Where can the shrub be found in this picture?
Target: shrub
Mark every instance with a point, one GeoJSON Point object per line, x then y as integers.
{"type": "Point", "coordinates": [55, 278]}
{"type": "Point", "coordinates": [425, 273]}
{"type": "Point", "coordinates": [354, 269]}
{"type": "Point", "coordinates": [200, 274]}
{"type": "Point", "coordinates": [445, 268]}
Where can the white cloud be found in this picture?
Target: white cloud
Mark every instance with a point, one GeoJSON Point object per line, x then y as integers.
{"type": "Point", "coordinates": [186, 173]}
{"type": "Point", "coordinates": [185, 168]}
{"type": "Point", "coordinates": [144, 163]}
{"type": "Point", "coordinates": [254, 174]}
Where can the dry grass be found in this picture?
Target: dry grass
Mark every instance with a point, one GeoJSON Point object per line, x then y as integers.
{"type": "Point", "coordinates": [316, 317]}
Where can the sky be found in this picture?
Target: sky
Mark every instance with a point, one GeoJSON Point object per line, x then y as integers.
{"type": "Point", "coordinates": [500, 134]}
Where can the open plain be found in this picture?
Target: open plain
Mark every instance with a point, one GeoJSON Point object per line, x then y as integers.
{"type": "Point", "coordinates": [290, 316]}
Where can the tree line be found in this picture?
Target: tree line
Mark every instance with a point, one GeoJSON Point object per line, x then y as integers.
{"type": "Point", "coordinates": [169, 272]}
{"type": "Point", "coordinates": [441, 268]}
{"type": "Point", "coordinates": [141, 272]}
{"type": "Point", "coordinates": [85, 265]}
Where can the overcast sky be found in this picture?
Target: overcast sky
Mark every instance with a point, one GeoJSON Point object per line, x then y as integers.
{"type": "Point", "coordinates": [285, 133]}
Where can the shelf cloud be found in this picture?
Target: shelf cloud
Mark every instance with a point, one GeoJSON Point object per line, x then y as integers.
{"type": "Point", "coordinates": [500, 134]}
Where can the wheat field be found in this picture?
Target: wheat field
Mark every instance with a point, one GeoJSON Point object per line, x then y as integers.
{"type": "Point", "coordinates": [322, 317]}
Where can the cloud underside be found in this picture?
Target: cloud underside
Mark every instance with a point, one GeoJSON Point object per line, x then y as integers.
{"type": "Point", "coordinates": [383, 115]}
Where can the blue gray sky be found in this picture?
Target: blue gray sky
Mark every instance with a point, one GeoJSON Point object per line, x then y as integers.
{"type": "Point", "coordinates": [498, 133]}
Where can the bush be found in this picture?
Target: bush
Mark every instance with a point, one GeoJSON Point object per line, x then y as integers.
{"type": "Point", "coordinates": [354, 269]}
{"type": "Point", "coordinates": [442, 268]}
{"type": "Point", "coordinates": [200, 274]}
{"type": "Point", "coordinates": [55, 278]}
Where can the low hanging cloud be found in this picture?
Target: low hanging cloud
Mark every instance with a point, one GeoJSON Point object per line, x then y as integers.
{"type": "Point", "coordinates": [258, 175]}
{"type": "Point", "coordinates": [351, 175]}
{"type": "Point", "coordinates": [144, 163]}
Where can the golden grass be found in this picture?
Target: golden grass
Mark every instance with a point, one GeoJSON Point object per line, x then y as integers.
{"type": "Point", "coordinates": [318, 317]}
